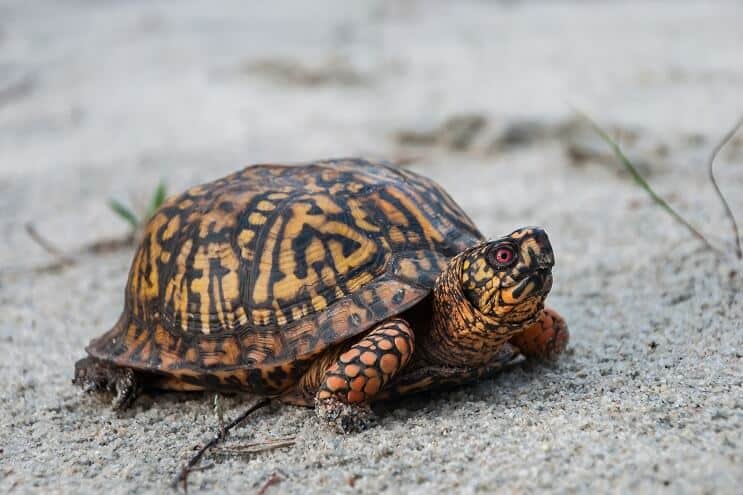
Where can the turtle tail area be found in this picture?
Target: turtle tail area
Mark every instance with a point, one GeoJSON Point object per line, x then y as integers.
{"type": "Point", "coordinates": [96, 376]}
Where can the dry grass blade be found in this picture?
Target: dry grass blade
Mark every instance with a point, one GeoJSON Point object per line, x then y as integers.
{"type": "Point", "coordinates": [257, 447]}
{"type": "Point", "coordinates": [711, 171]}
{"type": "Point", "coordinates": [643, 183]}
{"type": "Point", "coordinates": [274, 479]}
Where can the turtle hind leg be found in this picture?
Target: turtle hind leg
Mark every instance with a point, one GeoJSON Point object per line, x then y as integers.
{"type": "Point", "coordinates": [360, 373]}
{"type": "Point", "coordinates": [94, 375]}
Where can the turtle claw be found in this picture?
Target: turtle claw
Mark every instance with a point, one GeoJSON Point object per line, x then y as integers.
{"type": "Point", "coordinates": [345, 418]}
{"type": "Point", "coordinates": [126, 387]}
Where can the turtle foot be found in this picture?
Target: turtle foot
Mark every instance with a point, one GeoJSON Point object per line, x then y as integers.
{"type": "Point", "coordinates": [345, 418]}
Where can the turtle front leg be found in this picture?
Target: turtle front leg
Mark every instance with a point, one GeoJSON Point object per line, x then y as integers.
{"type": "Point", "coordinates": [546, 339]}
{"type": "Point", "coordinates": [356, 378]}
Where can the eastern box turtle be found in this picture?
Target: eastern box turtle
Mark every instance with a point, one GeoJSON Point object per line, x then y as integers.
{"type": "Point", "coordinates": [333, 284]}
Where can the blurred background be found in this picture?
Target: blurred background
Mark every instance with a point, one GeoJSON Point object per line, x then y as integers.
{"type": "Point", "coordinates": [103, 100]}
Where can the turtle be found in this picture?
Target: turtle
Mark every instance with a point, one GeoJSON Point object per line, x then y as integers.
{"type": "Point", "coordinates": [333, 284]}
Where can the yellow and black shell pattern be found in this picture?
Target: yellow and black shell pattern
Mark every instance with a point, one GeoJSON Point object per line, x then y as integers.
{"type": "Point", "coordinates": [241, 282]}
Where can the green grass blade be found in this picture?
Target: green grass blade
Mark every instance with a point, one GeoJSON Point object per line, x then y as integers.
{"type": "Point", "coordinates": [718, 191]}
{"type": "Point", "coordinates": [124, 212]}
{"type": "Point", "coordinates": [158, 198]}
{"type": "Point", "coordinates": [643, 183]}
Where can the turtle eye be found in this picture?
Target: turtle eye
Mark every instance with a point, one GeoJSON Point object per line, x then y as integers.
{"type": "Point", "coordinates": [504, 256]}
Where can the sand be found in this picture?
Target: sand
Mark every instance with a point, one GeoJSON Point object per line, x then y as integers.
{"type": "Point", "coordinates": [104, 99]}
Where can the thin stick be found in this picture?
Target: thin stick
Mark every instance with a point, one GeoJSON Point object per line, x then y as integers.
{"type": "Point", "coordinates": [47, 245]}
{"type": "Point", "coordinates": [109, 245]}
{"type": "Point", "coordinates": [257, 447]}
{"type": "Point", "coordinates": [219, 437]}
{"type": "Point", "coordinates": [274, 479]}
{"type": "Point", "coordinates": [404, 161]}
{"type": "Point", "coordinates": [63, 259]}
{"type": "Point", "coordinates": [202, 468]}
{"type": "Point", "coordinates": [219, 411]}
{"type": "Point", "coordinates": [643, 183]}
{"type": "Point", "coordinates": [710, 168]}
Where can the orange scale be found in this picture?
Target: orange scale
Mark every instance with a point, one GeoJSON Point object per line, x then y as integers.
{"type": "Point", "coordinates": [372, 386]}
{"type": "Point", "coordinates": [336, 383]}
{"type": "Point", "coordinates": [355, 396]}
{"type": "Point", "coordinates": [349, 356]}
{"type": "Point", "coordinates": [352, 370]}
{"type": "Point", "coordinates": [371, 372]}
{"type": "Point", "coordinates": [388, 363]}
{"type": "Point", "coordinates": [358, 383]}
{"type": "Point", "coordinates": [386, 345]}
{"type": "Point", "coordinates": [368, 358]}
{"type": "Point", "coordinates": [402, 345]}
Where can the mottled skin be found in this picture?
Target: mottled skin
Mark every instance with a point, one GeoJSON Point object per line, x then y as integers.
{"type": "Point", "coordinates": [332, 284]}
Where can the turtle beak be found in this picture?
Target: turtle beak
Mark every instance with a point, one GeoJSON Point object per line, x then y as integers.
{"type": "Point", "coordinates": [537, 250]}
{"type": "Point", "coordinates": [545, 257]}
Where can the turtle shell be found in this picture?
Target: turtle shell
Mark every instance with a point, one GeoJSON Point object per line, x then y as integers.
{"type": "Point", "coordinates": [241, 282]}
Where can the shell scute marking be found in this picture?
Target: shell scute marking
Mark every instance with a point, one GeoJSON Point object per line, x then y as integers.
{"type": "Point", "coordinates": [205, 267]}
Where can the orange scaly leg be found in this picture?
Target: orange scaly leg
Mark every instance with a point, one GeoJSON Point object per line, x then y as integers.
{"type": "Point", "coordinates": [546, 339]}
{"type": "Point", "coordinates": [360, 373]}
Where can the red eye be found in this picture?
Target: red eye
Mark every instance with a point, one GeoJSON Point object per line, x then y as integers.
{"type": "Point", "coordinates": [504, 255]}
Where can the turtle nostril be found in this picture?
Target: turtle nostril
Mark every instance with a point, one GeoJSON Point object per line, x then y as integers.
{"type": "Point", "coordinates": [542, 239]}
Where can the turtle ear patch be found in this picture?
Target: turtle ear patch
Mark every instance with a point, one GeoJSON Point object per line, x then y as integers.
{"type": "Point", "coordinates": [477, 268]}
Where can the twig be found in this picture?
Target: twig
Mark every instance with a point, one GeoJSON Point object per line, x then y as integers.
{"type": "Point", "coordinates": [109, 245]}
{"type": "Point", "coordinates": [725, 205]}
{"type": "Point", "coordinates": [17, 89]}
{"type": "Point", "coordinates": [404, 161]}
{"type": "Point", "coordinates": [274, 479]}
{"type": "Point", "coordinates": [63, 259]}
{"type": "Point", "coordinates": [102, 245]}
{"type": "Point", "coordinates": [205, 467]}
{"type": "Point", "coordinates": [219, 437]}
{"type": "Point", "coordinates": [48, 246]}
{"type": "Point", "coordinates": [219, 411]}
{"type": "Point", "coordinates": [53, 267]}
{"type": "Point", "coordinates": [643, 183]}
{"type": "Point", "coordinates": [257, 447]}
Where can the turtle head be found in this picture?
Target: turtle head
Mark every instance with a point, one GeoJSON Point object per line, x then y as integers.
{"type": "Point", "coordinates": [507, 279]}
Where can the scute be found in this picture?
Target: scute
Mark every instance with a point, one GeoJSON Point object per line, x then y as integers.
{"type": "Point", "coordinates": [267, 267]}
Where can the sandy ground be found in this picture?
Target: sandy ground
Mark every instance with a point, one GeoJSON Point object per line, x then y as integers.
{"type": "Point", "coordinates": [102, 99]}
